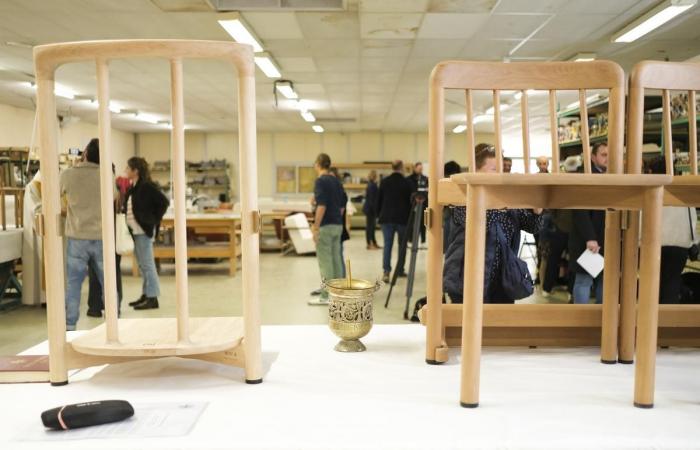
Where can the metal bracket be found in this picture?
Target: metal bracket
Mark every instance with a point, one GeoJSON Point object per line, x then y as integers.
{"type": "Point", "coordinates": [428, 218]}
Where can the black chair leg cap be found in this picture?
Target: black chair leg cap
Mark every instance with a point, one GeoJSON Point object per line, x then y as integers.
{"type": "Point", "coordinates": [608, 361]}
{"type": "Point", "coordinates": [59, 383]}
{"type": "Point", "coordinates": [433, 362]}
{"type": "Point", "coordinates": [643, 405]}
{"type": "Point", "coordinates": [625, 361]}
{"type": "Point", "coordinates": [468, 405]}
{"type": "Point", "coordinates": [258, 381]}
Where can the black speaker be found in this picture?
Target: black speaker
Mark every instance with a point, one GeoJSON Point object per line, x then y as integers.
{"type": "Point", "coordinates": [87, 414]}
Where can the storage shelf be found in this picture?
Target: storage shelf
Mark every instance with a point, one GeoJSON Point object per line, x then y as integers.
{"type": "Point", "coordinates": [368, 166]}
{"type": "Point", "coordinates": [217, 169]}
{"type": "Point", "coordinates": [577, 142]}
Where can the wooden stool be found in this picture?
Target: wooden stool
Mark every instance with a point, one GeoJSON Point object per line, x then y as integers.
{"type": "Point", "coordinates": [228, 340]}
{"type": "Point", "coordinates": [681, 323]}
{"type": "Point", "coordinates": [480, 191]}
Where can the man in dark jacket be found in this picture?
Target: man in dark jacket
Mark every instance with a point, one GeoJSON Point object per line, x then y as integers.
{"type": "Point", "coordinates": [370, 210]}
{"type": "Point", "coordinates": [588, 232]}
{"type": "Point", "coordinates": [419, 183]}
{"type": "Point", "coordinates": [394, 207]}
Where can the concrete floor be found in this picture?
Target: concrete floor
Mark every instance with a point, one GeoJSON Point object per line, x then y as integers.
{"type": "Point", "coordinates": [285, 284]}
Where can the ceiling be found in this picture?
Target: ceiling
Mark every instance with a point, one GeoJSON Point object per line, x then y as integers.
{"type": "Point", "coordinates": [363, 66]}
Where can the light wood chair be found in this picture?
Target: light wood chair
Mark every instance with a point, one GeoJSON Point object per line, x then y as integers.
{"type": "Point", "coordinates": [675, 324]}
{"type": "Point", "coordinates": [227, 340]}
{"type": "Point", "coordinates": [612, 191]}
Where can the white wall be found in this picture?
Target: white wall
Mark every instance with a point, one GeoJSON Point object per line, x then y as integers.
{"type": "Point", "coordinates": [301, 149]}
{"type": "Point", "coordinates": [16, 126]}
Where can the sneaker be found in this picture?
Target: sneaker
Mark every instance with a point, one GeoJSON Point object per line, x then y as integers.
{"type": "Point", "coordinates": [94, 313]}
{"type": "Point", "coordinates": [402, 274]}
{"type": "Point", "coordinates": [316, 292]}
{"type": "Point", "coordinates": [386, 278]}
{"type": "Point", "coordinates": [140, 300]}
{"type": "Point", "coordinates": [318, 301]}
{"type": "Point", "coordinates": [150, 303]}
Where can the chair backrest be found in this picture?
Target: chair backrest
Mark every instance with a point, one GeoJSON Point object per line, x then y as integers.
{"type": "Point", "coordinates": [547, 76]}
{"type": "Point", "coordinates": [666, 76]}
{"type": "Point", "coordinates": [47, 59]}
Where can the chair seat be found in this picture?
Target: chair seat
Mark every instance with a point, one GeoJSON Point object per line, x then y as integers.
{"type": "Point", "coordinates": [561, 179]}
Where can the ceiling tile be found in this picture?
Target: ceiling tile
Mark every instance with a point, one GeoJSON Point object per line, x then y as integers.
{"type": "Point", "coordinates": [288, 47]}
{"type": "Point", "coordinates": [382, 64]}
{"type": "Point", "coordinates": [511, 26]}
{"type": "Point", "coordinates": [393, 6]}
{"type": "Point", "coordinates": [335, 48]}
{"type": "Point", "coordinates": [338, 64]}
{"type": "Point", "coordinates": [309, 88]}
{"type": "Point", "coordinates": [462, 6]}
{"type": "Point", "coordinates": [296, 64]}
{"type": "Point", "coordinates": [448, 48]}
{"type": "Point", "coordinates": [487, 50]}
{"type": "Point", "coordinates": [329, 25]}
{"type": "Point", "coordinates": [386, 47]}
{"type": "Point", "coordinates": [274, 25]}
{"type": "Point", "coordinates": [389, 26]}
{"type": "Point", "coordinates": [451, 26]}
{"type": "Point", "coordinates": [530, 6]}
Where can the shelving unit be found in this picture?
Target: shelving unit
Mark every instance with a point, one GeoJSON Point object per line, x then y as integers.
{"type": "Point", "coordinates": [194, 174]}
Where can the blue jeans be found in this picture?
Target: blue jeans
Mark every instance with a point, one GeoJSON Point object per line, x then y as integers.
{"type": "Point", "coordinates": [388, 230]}
{"type": "Point", "coordinates": [582, 288]}
{"type": "Point", "coordinates": [79, 254]}
{"type": "Point", "coordinates": [143, 249]}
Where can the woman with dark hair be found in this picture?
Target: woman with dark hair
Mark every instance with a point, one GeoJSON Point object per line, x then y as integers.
{"type": "Point", "coordinates": [500, 224]}
{"type": "Point", "coordinates": [144, 206]}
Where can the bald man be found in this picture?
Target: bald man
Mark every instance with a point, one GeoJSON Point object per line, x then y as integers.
{"type": "Point", "coordinates": [543, 164]}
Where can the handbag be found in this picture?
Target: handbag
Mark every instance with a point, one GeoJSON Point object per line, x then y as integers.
{"type": "Point", "coordinates": [693, 251]}
{"type": "Point", "coordinates": [123, 241]}
{"type": "Point", "coordinates": [516, 281]}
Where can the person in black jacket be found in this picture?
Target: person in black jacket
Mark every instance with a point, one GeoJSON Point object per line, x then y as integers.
{"type": "Point", "coordinates": [394, 207]}
{"type": "Point", "coordinates": [419, 183]}
{"type": "Point", "coordinates": [588, 232]}
{"type": "Point", "coordinates": [369, 209]}
{"type": "Point", "coordinates": [144, 206]}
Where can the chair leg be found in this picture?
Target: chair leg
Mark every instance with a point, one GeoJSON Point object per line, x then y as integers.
{"type": "Point", "coordinates": [611, 288]}
{"type": "Point", "coordinates": [475, 241]}
{"type": "Point", "coordinates": [434, 352]}
{"type": "Point", "coordinates": [648, 319]}
{"type": "Point", "coordinates": [628, 299]}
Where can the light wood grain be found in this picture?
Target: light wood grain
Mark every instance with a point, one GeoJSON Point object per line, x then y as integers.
{"type": "Point", "coordinates": [470, 132]}
{"type": "Point", "coordinates": [525, 117]}
{"type": "Point", "coordinates": [668, 136]}
{"type": "Point", "coordinates": [611, 287]}
{"type": "Point", "coordinates": [554, 130]}
{"type": "Point", "coordinates": [692, 132]}
{"type": "Point", "coordinates": [585, 137]}
{"type": "Point", "coordinates": [497, 136]}
{"type": "Point", "coordinates": [628, 295]}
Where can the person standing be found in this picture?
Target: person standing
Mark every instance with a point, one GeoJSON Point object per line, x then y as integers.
{"type": "Point", "coordinates": [507, 165]}
{"type": "Point", "coordinates": [588, 232]}
{"type": "Point", "coordinates": [369, 209]}
{"type": "Point", "coordinates": [542, 164]}
{"type": "Point", "coordinates": [81, 186]}
{"type": "Point", "coordinates": [394, 207]}
{"type": "Point", "coordinates": [419, 183]}
{"type": "Point", "coordinates": [327, 228]}
{"type": "Point", "coordinates": [145, 206]}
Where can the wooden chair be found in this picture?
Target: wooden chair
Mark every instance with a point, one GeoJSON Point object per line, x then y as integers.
{"type": "Point", "coordinates": [492, 191]}
{"type": "Point", "coordinates": [228, 340]}
{"type": "Point", "coordinates": [675, 324]}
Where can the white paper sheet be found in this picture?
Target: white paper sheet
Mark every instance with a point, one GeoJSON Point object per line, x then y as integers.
{"type": "Point", "coordinates": [149, 420]}
{"type": "Point", "coordinates": [591, 262]}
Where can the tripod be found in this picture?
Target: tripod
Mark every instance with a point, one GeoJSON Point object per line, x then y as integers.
{"type": "Point", "coordinates": [418, 199]}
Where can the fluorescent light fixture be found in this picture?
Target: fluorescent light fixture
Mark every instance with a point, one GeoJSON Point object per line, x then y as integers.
{"type": "Point", "coordinates": [235, 26]}
{"type": "Point", "coordinates": [286, 89]}
{"type": "Point", "coordinates": [150, 118]}
{"type": "Point", "coordinates": [308, 116]}
{"type": "Point", "coordinates": [583, 57]}
{"type": "Point", "coordinates": [301, 105]}
{"type": "Point", "coordinates": [481, 118]}
{"type": "Point", "coordinates": [317, 128]}
{"type": "Point", "coordinates": [653, 19]}
{"type": "Point", "coordinates": [58, 89]}
{"type": "Point", "coordinates": [491, 110]}
{"type": "Point", "coordinates": [114, 108]}
{"type": "Point", "coordinates": [459, 129]}
{"type": "Point", "coordinates": [268, 66]}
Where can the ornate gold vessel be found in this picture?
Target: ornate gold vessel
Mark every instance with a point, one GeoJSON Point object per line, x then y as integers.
{"type": "Point", "coordinates": [350, 311]}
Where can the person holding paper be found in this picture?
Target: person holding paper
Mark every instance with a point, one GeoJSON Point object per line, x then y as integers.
{"type": "Point", "coordinates": [588, 233]}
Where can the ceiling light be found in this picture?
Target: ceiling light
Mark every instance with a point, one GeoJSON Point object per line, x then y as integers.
{"type": "Point", "coordinates": [114, 108]}
{"type": "Point", "coordinates": [308, 116]}
{"type": "Point", "coordinates": [491, 110]}
{"type": "Point", "coordinates": [481, 118]}
{"type": "Point", "coordinates": [459, 129]}
{"type": "Point", "coordinates": [301, 105]}
{"type": "Point", "coordinates": [150, 118]}
{"type": "Point", "coordinates": [239, 31]}
{"type": "Point", "coordinates": [583, 57]}
{"type": "Point", "coordinates": [317, 128]}
{"type": "Point", "coordinates": [268, 66]}
{"type": "Point", "coordinates": [653, 19]}
{"type": "Point", "coordinates": [58, 89]}
{"type": "Point", "coordinates": [287, 89]}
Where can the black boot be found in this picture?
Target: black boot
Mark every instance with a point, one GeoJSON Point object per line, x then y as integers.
{"type": "Point", "coordinates": [150, 303]}
{"type": "Point", "coordinates": [139, 301]}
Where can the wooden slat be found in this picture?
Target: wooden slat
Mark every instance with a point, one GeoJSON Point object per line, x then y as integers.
{"type": "Point", "coordinates": [668, 136]}
{"type": "Point", "coordinates": [107, 203]}
{"type": "Point", "coordinates": [693, 132]}
{"type": "Point", "coordinates": [526, 130]}
{"type": "Point", "coordinates": [562, 179]}
{"type": "Point", "coordinates": [470, 132]}
{"type": "Point", "coordinates": [529, 315]}
{"type": "Point", "coordinates": [497, 129]}
{"type": "Point", "coordinates": [554, 130]}
{"type": "Point", "coordinates": [177, 142]}
{"type": "Point", "coordinates": [585, 138]}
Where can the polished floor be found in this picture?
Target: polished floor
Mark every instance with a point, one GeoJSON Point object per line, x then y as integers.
{"type": "Point", "coordinates": [285, 284]}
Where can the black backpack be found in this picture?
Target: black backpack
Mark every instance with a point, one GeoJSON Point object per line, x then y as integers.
{"type": "Point", "coordinates": [690, 288]}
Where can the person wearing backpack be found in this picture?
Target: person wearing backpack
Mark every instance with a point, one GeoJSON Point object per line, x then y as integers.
{"type": "Point", "coordinates": [506, 278]}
